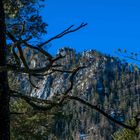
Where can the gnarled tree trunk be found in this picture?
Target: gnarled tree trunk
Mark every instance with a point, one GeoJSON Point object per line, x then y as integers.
{"type": "Point", "coordinates": [4, 94]}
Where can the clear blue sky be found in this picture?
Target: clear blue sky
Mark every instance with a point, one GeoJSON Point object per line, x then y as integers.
{"type": "Point", "coordinates": [112, 24]}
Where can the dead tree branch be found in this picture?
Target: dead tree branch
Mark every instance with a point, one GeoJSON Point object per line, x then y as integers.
{"type": "Point", "coordinates": [63, 33]}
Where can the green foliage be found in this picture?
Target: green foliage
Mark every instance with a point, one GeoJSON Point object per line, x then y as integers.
{"type": "Point", "coordinates": [126, 134]}
{"type": "Point", "coordinates": [29, 124]}
{"type": "Point", "coordinates": [37, 125]}
{"type": "Point", "coordinates": [22, 18]}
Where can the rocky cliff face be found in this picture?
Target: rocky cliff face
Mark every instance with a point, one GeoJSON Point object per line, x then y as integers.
{"type": "Point", "coordinates": [106, 81]}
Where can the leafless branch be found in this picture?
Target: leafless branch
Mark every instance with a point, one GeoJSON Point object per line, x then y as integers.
{"type": "Point", "coordinates": [103, 112]}
{"type": "Point", "coordinates": [128, 56]}
{"type": "Point", "coordinates": [16, 94]}
{"type": "Point", "coordinates": [31, 101]}
{"type": "Point", "coordinates": [31, 82]}
{"type": "Point", "coordinates": [49, 56]}
{"type": "Point", "coordinates": [63, 33]}
{"type": "Point", "coordinates": [17, 113]}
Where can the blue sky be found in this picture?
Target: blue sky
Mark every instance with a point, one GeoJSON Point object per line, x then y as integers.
{"type": "Point", "coordinates": [112, 24]}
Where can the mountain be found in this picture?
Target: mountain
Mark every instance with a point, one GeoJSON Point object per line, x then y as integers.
{"type": "Point", "coordinates": [106, 81]}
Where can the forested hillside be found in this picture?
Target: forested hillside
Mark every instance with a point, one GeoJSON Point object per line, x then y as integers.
{"type": "Point", "coordinates": [106, 81]}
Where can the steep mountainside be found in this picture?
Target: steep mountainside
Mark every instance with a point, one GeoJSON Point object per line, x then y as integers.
{"type": "Point", "coordinates": [106, 81]}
